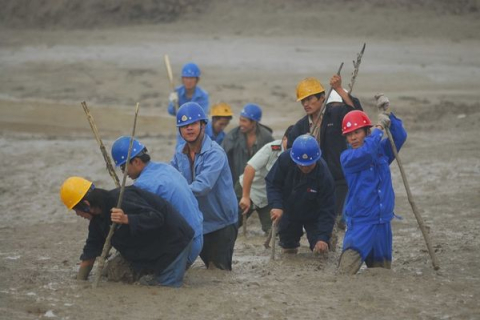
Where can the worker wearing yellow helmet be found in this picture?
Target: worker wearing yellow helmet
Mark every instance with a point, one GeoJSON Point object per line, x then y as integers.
{"type": "Point", "coordinates": [221, 114]}
{"type": "Point", "coordinates": [326, 128]}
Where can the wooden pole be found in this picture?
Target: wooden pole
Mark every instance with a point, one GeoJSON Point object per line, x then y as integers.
{"type": "Point", "coordinates": [108, 244]}
{"type": "Point", "coordinates": [274, 236]}
{"type": "Point", "coordinates": [419, 218]}
{"type": "Point", "coordinates": [170, 78]}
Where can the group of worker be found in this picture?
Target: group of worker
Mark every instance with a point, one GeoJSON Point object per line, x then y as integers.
{"type": "Point", "coordinates": [335, 171]}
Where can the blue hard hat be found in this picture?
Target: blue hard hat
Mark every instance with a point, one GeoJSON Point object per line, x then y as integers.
{"type": "Point", "coordinates": [252, 111]}
{"type": "Point", "coordinates": [190, 70]}
{"type": "Point", "coordinates": [120, 150]}
{"type": "Point", "coordinates": [305, 150]}
{"type": "Point", "coordinates": [190, 112]}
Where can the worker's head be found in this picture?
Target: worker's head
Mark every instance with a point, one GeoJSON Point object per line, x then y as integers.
{"type": "Point", "coordinates": [191, 121]}
{"type": "Point", "coordinates": [305, 152]}
{"type": "Point", "coordinates": [190, 75]}
{"type": "Point", "coordinates": [311, 94]}
{"type": "Point", "coordinates": [139, 156]}
{"type": "Point", "coordinates": [249, 116]}
{"type": "Point", "coordinates": [355, 127]}
{"type": "Point", "coordinates": [73, 193]}
{"type": "Point", "coordinates": [285, 137]}
{"type": "Point", "coordinates": [221, 115]}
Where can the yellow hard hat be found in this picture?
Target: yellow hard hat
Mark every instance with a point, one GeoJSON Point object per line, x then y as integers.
{"type": "Point", "coordinates": [73, 190]}
{"type": "Point", "coordinates": [221, 110]}
{"type": "Point", "coordinates": [307, 87]}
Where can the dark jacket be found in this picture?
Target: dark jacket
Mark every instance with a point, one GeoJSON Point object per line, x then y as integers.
{"type": "Point", "coordinates": [332, 143]}
{"type": "Point", "coordinates": [155, 236]}
{"type": "Point", "coordinates": [235, 145]}
{"type": "Point", "coordinates": [303, 197]}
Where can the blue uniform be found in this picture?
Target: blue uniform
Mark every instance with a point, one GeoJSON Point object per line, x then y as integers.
{"type": "Point", "coordinates": [200, 96]}
{"type": "Point", "coordinates": [211, 183]}
{"type": "Point", "coordinates": [166, 182]}
{"type": "Point", "coordinates": [209, 131]}
{"type": "Point", "coordinates": [307, 201]}
{"type": "Point", "coordinates": [371, 199]}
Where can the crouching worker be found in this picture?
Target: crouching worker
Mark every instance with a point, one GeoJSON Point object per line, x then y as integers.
{"type": "Point", "coordinates": [151, 236]}
{"type": "Point", "coordinates": [300, 191]}
{"type": "Point", "coordinates": [370, 201]}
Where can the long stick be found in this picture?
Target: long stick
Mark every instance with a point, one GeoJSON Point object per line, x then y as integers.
{"type": "Point", "coordinates": [170, 77]}
{"type": "Point", "coordinates": [319, 119]}
{"type": "Point", "coordinates": [107, 159]}
{"type": "Point", "coordinates": [420, 221]}
{"type": "Point", "coordinates": [108, 244]}
{"type": "Point", "coordinates": [244, 224]}
{"type": "Point", "coordinates": [356, 67]}
{"type": "Point", "coordinates": [274, 236]}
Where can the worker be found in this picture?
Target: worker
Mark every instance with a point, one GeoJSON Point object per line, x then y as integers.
{"type": "Point", "coordinates": [371, 199]}
{"type": "Point", "coordinates": [163, 180]}
{"type": "Point", "coordinates": [254, 193]}
{"type": "Point", "coordinates": [205, 166]}
{"type": "Point", "coordinates": [221, 114]}
{"type": "Point", "coordinates": [151, 235]}
{"type": "Point", "coordinates": [328, 128]}
{"type": "Point", "coordinates": [300, 191]}
{"type": "Point", "coordinates": [189, 91]}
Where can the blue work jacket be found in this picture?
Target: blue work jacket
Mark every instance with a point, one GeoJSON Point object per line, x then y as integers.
{"type": "Point", "coordinates": [211, 182]}
{"type": "Point", "coordinates": [200, 96]}
{"type": "Point", "coordinates": [371, 198]}
{"type": "Point", "coordinates": [165, 181]}
{"type": "Point", "coordinates": [209, 131]}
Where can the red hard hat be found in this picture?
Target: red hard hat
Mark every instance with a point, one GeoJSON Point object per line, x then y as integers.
{"type": "Point", "coordinates": [354, 120]}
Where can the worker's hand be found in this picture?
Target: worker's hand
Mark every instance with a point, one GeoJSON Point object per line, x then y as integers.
{"type": "Point", "coordinates": [244, 204]}
{"type": "Point", "coordinates": [383, 120]}
{"type": "Point", "coordinates": [118, 216]}
{"type": "Point", "coordinates": [383, 104]}
{"type": "Point", "coordinates": [336, 82]}
{"type": "Point", "coordinates": [275, 215]}
{"type": "Point", "coordinates": [320, 247]}
{"type": "Point", "coordinates": [173, 97]}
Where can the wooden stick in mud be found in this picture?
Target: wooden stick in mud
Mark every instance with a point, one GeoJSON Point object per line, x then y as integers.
{"type": "Point", "coordinates": [244, 224]}
{"type": "Point", "coordinates": [420, 221]}
{"type": "Point", "coordinates": [274, 236]}
{"type": "Point", "coordinates": [108, 244]}
{"type": "Point", "coordinates": [170, 78]}
{"type": "Point", "coordinates": [106, 157]}
{"type": "Point", "coordinates": [266, 244]}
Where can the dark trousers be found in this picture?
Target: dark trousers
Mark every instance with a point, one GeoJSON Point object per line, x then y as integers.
{"type": "Point", "coordinates": [218, 247]}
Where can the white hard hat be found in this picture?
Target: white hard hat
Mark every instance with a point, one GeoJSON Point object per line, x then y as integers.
{"type": "Point", "coordinates": [335, 97]}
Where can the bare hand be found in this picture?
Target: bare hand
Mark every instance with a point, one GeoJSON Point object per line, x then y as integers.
{"type": "Point", "coordinates": [244, 204]}
{"type": "Point", "coordinates": [275, 215]}
{"type": "Point", "coordinates": [336, 82]}
{"type": "Point", "coordinates": [118, 216]}
{"type": "Point", "coordinates": [320, 247]}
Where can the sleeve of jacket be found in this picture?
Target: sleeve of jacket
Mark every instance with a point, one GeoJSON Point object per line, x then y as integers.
{"type": "Point", "coordinates": [141, 216]}
{"type": "Point", "coordinates": [356, 103]}
{"type": "Point", "coordinates": [94, 243]}
{"type": "Point", "coordinates": [204, 102]}
{"type": "Point", "coordinates": [326, 200]}
{"type": "Point", "coordinates": [399, 135]}
{"type": "Point", "coordinates": [294, 133]}
{"type": "Point", "coordinates": [213, 164]}
{"type": "Point", "coordinates": [355, 160]}
{"type": "Point", "coordinates": [275, 181]}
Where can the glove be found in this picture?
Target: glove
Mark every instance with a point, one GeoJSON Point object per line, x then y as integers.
{"type": "Point", "coordinates": [173, 97]}
{"type": "Point", "coordinates": [383, 120]}
{"type": "Point", "coordinates": [383, 104]}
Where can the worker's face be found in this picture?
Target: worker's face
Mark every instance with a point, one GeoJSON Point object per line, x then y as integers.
{"type": "Point", "coordinates": [134, 168]}
{"type": "Point", "coordinates": [189, 82]}
{"type": "Point", "coordinates": [219, 124]}
{"type": "Point", "coordinates": [84, 210]}
{"type": "Point", "coordinates": [284, 142]}
{"type": "Point", "coordinates": [246, 125]}
{"type": "Point", "coordinates": [312, 104]}
{"type": "Point", "coordinates": [356, 138]}
{"type": "Point", "coordinates": [191, 132]}
{"type": "Point", "coordinates": [307, 169]}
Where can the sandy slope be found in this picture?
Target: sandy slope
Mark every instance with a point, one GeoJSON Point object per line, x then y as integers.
{"type": "Point", "coordinates": [425, 61]}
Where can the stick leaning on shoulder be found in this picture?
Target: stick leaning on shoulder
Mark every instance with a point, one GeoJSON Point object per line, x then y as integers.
{"type": "Point", "coordinates": [108, 245]}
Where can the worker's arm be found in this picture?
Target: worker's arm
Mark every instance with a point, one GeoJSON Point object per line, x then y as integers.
{"type": "Point", "coordinates": [85, 268]}
{"type": "Point", "coordinates": [336, 84]}
{"type": "Point", "coordinates": [248, 176]}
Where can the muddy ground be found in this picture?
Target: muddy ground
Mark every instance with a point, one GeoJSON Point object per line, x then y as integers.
{"type": "Point", "coordinates": [425, 58]}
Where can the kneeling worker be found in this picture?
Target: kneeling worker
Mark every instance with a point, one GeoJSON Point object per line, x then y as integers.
{"type": "Point", "coordinates": [151, 236]}
{"type": "Point", "coordinates": [300, 191]}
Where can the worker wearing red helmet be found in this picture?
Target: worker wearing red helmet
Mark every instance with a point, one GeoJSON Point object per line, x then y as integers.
{"type": "Point", "coordinates": [371, 199]}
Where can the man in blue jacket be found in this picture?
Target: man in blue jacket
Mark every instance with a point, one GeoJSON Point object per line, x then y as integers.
{"type": "Point", "coordinates": [151, 235]}
{"type": "Point", "coordinates": [371, 199]}
{"type": "Point", "coordinates": [205, 166]}
{"type": "Point", "coordinates": [300, 191]}
{"type": "Point", "coordinates": [163, 180]}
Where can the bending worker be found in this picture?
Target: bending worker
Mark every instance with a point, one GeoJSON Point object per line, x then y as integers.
{"type": "Point", "coordinates": [163, 180]}
{"type": "Point", "coordinates": [151, 235]}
